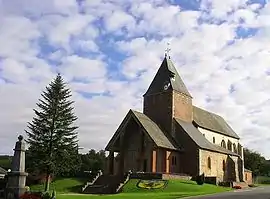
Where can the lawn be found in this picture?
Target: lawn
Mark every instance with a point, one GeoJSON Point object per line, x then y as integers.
{"type": "Point", "coordinates": [62, 185]}
{"type": "Point", "coordinates": [262, 180]}
{"type": "Point", "coordinates": [67, 188]}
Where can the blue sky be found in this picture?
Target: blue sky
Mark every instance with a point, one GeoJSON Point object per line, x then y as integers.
{"type": "Point", "coordinates": [109, 51]}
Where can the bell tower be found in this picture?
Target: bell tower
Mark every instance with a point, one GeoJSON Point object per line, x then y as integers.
{"type": "Point", "coordinates": [167, 97]}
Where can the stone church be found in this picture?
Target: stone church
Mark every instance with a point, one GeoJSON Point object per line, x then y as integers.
{"type": "Point", "coordinates": [175, 137]}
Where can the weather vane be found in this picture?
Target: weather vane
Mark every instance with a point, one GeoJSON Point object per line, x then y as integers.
{"type": "Point", "coordinates": [167, 50]}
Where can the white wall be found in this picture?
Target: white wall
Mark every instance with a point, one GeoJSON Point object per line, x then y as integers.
{"type": "Point", "coordinates": [218, 137]}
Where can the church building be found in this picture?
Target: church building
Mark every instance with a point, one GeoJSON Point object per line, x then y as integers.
{"type": "Point", "coordinates": [173, 136]}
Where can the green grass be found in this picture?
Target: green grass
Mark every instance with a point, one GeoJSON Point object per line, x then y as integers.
{"type": "Point", "coordinates": [262, 180]}
{"type": "Point", "coordinates": [64, 185]}
{"type": "Point", "coordinates": [174, 189]}
{"type": "Point", "coordinates": [174, 186]}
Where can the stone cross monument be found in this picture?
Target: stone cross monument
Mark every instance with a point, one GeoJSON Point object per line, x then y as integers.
{"type": "Point", "coordinates": [17, 175]}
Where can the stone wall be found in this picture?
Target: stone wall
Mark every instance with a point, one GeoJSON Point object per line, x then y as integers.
{"type": "Point", "coordinates": [166, 176]}
{"type": "Point", "coordinates": [248, 177]}
{"type": "Point", "coordinates": [216, 164]}
{"type": "Point", "coordinates": [182, 107]}
{"type": "Point", "coordinates": [146, 176]}
{"type": "Point", "coordinates": [170, 104]}
{"type": "Point", "coordinates": [224, 167]}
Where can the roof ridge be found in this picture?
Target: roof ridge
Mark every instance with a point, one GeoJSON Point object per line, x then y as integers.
{"type": "Point", "coordinates": [213, 122]}
{"type": "Point", "coordinates": [167, 140]}
{"type": "Point", "coordinates": [213, 113]}
{"type": "Point", "coordinates": [165, 133]}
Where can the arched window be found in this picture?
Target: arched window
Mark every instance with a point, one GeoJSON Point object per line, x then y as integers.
{"type": "Point", "coordinates": [234, 148]}
{"type": "Point", "coordinates": [223, 144]}
{"type": "Point", "coordinates": [214, 140]}
{"type": "Point", "coordinates": [229, 145]}
{"type": "Point", "coordinates": [223, 165]}
{"type": "Point", "coordinates": [209, 163]}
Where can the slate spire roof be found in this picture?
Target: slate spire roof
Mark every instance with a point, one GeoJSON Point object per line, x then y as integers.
{"type": "Point", "coordinates": [168, 76]}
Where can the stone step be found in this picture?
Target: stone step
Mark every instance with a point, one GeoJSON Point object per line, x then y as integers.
{"type": "Point", "coordinates": [105, 184]}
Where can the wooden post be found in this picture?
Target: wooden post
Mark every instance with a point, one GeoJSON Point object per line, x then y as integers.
{"type": "Point", "coordinates": [111, 162]}
{"type": "Point", "coordinates": [122, 156]}
{"type": "Point", "coordinates": [154, 161]}
{"type": "Point", "coordinates": [168, 153]}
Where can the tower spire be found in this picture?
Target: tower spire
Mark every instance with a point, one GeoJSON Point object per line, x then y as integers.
{"type": "Point", "coordinates": [167, 75]}
{"type": "Point", "coordinates": [167, 50]}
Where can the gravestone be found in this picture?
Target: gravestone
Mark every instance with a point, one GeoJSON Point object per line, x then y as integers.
{"type": "Point", "coordinates": [17, 176]}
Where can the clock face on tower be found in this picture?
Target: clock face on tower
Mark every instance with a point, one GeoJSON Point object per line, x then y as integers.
{"type": "Point", "coordinates": [166, 85]}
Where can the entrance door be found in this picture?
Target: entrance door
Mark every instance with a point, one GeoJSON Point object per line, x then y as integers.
{"type": "Point", "coordinates": [144, 165]}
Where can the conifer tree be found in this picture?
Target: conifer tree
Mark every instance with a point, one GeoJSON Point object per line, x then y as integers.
{"type": "Point", "coordinates": [52, 135]}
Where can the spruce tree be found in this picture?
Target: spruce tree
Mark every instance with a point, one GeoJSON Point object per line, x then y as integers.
{"type": "Point", "coordinates": [52, 135]}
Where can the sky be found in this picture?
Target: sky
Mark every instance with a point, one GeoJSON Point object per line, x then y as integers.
{"type": "Point", "coordinates": [109, 51]}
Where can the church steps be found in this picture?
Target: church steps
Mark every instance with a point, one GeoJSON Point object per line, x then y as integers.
{"type": "Point", "coordinates": [93, 181]}
{"type": "Point", "coordinates": [107, 184]}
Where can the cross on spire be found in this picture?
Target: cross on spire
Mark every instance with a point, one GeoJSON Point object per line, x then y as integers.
{"type": "Point", "coordinates": [167, 50]}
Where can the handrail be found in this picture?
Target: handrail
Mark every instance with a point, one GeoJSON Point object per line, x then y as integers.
{"type": "Point", "coordinates": [93, 181]}
{"type": "Point", "coordinates": [121, 184]}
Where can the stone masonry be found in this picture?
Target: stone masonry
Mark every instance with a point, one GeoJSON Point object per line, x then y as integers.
{"type": "Point", "coordinates": [17, 175]}
{"type": "Point", "coordinates": [182, 106]}
{"type": "Point", "coordinates": [223, 166]}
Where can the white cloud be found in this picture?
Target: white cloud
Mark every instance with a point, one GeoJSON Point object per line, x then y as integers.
{"type": "Point", "coordinates": [36, 8]}
{"type": "Point", "coordinates": [248, 16]}
{"type": "Point", "coordinates": [61, 30]}
{"type": "Point", "coordinates": [13, 42]}
{"type": "Point", "coordinates": [163, 20]}
{"type": "Point", "coordinates": [39, 39]}
{"type": "Point", "coordinates": [86, 45]}
{"type": "Point", "coordinates": [82, 68]}
{"type": "Point", "coordinates": [11, 68]}
{"type": "Point", "coordinates": [220, 9]}
{"type": "Point", "coordinates": [119, 19]}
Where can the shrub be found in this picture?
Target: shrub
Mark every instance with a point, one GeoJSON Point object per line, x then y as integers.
{"type": "Point", "coordinates": [225, 184]}
{"type": "Point", "coordinates": [46, 195]}
{"type": "Point", "coordinates": [200, 179]}
{"type": "Point", "coordinates": [36, 195]}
